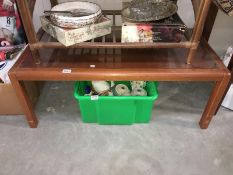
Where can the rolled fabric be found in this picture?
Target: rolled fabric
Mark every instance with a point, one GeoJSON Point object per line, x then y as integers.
{"type": "Point", "coordinates": [139, 92]}
{"type": "Point", "coordinates": [121, 90]}
{"type": "Point", "coordinates": [138, 84]}
{"type": "Point", "coordinates": [100, 86]}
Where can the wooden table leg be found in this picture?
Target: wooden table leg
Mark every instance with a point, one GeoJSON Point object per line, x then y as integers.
{"type": "Point", "coordinates": [215, 98]}
{"type": "Point", "coordinates": [230, 67]}
{"type": "Point", "coordinates": [25, 102]}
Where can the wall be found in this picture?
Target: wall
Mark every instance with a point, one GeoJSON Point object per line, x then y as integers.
{"type": "Point", "coordinates": [40, 6]}
{"type": "Point", "coordinates": [222, 34]}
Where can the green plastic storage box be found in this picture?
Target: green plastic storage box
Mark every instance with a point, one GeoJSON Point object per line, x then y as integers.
{"type": "Point", "coordinates": [116, 110]}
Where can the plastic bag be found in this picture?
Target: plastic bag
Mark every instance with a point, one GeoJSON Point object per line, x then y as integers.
{"type": "Point", "coordinates": [5, 66]}
{"type": "Point", "coordinates": [12, 35]}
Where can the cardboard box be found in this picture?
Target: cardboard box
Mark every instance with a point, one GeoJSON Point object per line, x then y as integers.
{"type": "Point", "coordinates": [171, 29]}
{"type": "Point", "coordinates": [70, 37]}
{"type": "Point", "coordinates": [9, 104]}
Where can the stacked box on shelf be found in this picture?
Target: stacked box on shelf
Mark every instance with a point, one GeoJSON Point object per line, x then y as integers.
{"type": "Point", "coordinates": [171, 29]}
{"type": "Point", "coordinates": [70, 37]}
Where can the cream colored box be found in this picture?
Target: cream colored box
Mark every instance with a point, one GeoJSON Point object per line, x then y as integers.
{"type": "Point", "coordinates": [70, 37]}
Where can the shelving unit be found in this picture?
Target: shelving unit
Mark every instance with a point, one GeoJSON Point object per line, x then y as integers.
{"type": "Point", "coordinates": [200, 9]}
{"type": "Point", "coordinates": [107, 58]}
{"type": "Point", "coordinates": [112, 40]}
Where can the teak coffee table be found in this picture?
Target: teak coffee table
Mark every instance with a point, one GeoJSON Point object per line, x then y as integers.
{"type": "Point", "coordinates": [107, 58]}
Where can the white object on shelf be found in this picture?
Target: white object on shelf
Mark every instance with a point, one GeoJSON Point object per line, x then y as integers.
{"type": "Point", "coordinates": [227, 57]}
{"type": "Point", "coordinates": [228, 100]}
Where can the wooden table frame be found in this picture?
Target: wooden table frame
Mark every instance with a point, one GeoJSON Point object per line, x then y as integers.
{"type": "Point", "coordinates": [220, 75]}
{"type": "Point", "coordinates": [183, 72]}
